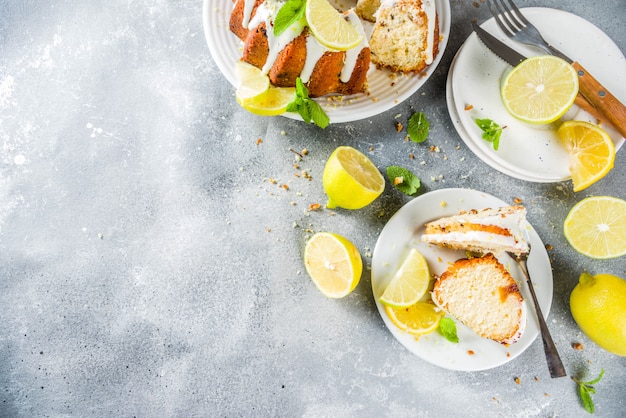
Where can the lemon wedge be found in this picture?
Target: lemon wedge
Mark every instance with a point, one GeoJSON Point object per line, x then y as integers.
{"type": "Point", "coordinates": [591, 150]}
{"type": "Point", "coordinates": [418, 319]}
{"type": "Point", "coordinates": [409, 284]}
{"type": "Point", "coordinates": [329, 26]}
{"type": "Point", "coordinates": [252, 83]}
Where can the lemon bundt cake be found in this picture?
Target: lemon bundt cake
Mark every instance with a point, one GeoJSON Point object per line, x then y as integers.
{"type": "Point", "coordinates": [488, 230]}
{"type": "Point", "coordinates": [405, 37]}
{"type": "Point", "coordinates": [480, 293]}
{"type": "Point", "coordinates": [296, 52]}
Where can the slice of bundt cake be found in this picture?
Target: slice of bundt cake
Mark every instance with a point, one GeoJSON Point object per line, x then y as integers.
{"type": "Point", "coordinates": [296, 52]}
{"type": "Point", "coordinates": [405, 37]}
{"type": "Point", "coordinates": [480, 293]}
{"type": "Point", "coordinates": [488, 230]}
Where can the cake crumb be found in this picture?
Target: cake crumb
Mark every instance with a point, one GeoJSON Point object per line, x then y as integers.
{"type": "Point", "coordinates": [517, 201]}
{"type": "Point", "coordinates": [314, 207]}
{"type": "Point", "coordinates": [469, 107]}
{"type": "Point", "coordinates": [577, 346]}
{"type": "Point", "coordinates": [259, 141]}
{"type": "Point", "coordinates": [518, 380]}
{"type": "Point", "coordinates": [399, 126]}
{"type": "Point", "coordinates": [470, 352]}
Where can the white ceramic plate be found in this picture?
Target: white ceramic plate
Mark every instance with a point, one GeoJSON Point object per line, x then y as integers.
{"type": "Point", "coordinates": [384, 92]}
{"type": "Point", "coordinates": [403, 232]}
{"type": "Point", "coordinates": [528, 152]}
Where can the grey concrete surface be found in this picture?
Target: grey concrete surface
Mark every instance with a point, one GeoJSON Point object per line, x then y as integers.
{"type": "Point", "coordinates": [149, 267]}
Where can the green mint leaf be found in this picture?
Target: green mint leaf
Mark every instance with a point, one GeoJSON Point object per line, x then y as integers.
{"type": "Point", "coordinates": [418, 127]}
{"type": "Point", "coordinates": [291, 12]}
{"type": "Point", "coordinates": [596, 380]}
{"type": "Point", "coordinates": [447, 326]}
{"type": "Point", "coordinates": [585, 390]}
{"type": "Point", "coordinates": [301, 91]}
{"type": "Point", "coordinates": [308, 109]}
{"type": "Point", "coordinates": [491, 131]}
{"type": "Point", "coordinates": [317, 114]}
{"type": "Point", "coordinates": [403, 180]}
{"type": "Point", "coordinates": [585, 397]}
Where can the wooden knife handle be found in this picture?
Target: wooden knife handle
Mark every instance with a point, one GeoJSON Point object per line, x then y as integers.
{"type": "Point", "coordinates": [607, 105]}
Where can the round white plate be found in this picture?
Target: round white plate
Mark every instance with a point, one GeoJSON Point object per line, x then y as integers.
{"type": "Point", "coordinates": [403, 232]}
{"type": "Point", "coordinates": [386, 90]}
{"type": "Point", "coordinates": [528, 152]}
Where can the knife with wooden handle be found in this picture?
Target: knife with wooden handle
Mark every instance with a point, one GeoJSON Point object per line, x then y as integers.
{"type": "Point", "coordinates": [592, 96]}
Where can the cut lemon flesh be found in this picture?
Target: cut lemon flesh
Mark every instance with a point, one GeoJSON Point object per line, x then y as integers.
{"type": "Point", "coordinates": [252, 83]}
{"type": "Point", "coordinates": [409, 284]}
{"type": "Point", "coordinates": [540, 89]}
{"type": "Point", "coordinates": [418, 319]}
{"type": "Point", "coordinates": [329, 26]}
{"type": "Point", "coordinates": [273, 102]}
{"type": "Point", "coordinates": [596, 227]}
{"type": "Point", "coordinates": [334, 264]}
{"type": "Point", "coordinates": [351, 180]}
{"type": "Point", "coordinates": [591, 151]}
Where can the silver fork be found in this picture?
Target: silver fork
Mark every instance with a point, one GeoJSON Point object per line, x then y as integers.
{"type": "Point", "coordinates": [514, 25]}
{"type": "Point", "coordinates": [517, 27]}
{"type": "Point", "coordinates": [555, 365]}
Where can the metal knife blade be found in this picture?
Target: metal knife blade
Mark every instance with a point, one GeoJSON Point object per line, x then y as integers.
{"type": "Point", "coordinates": [505, 52]}
{"type": "Point", "coordinates": [512, 57]}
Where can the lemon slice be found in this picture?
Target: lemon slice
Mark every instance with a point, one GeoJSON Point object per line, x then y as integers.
{"type": "Point", "coordinates": [351, 180]}
{"type": "Point", "coordinates": [329, 26]}
{"type": "Point", "coordinates": [591, 150]}
{"type": "Point", "coordinates": [596, 227]}
{"type": "Point", "coordinates": [252, 83]}
{"type": "Point", "coordinates": [418, 319]}
{"type": "Point", "coordinates": [540, 89]}
{"type": "Point", "coordinates": [273, 102]}
{"type": "Point", "coordinates": [334, 264]}
{"type": "Point", "coordinates": [409, 283]}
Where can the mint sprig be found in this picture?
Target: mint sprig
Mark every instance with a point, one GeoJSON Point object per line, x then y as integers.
{"type": "Point", "coordinates": [307, 108]}
{"type": "Point", "coordinates": [403, 180]}
{"type": "Point", "coordinates": [585, 390]}
{"type": "Point", "coordinates": [418, 127]}
{"type": "Point", "coordinates": [447, 326]}
{"type": "Point", "coordinates": [491, 131]}
{"type": "Point", "coordinates": [291, 12]}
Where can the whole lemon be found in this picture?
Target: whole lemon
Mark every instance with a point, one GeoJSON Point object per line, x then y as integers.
{"type": "Point", "coordinates": [598, 305]}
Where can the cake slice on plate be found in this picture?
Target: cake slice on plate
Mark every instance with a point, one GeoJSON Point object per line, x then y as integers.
{"type": "Point", "coordinates": [488, 230]}
{"type": "Point", "coordinates": [482, 294]}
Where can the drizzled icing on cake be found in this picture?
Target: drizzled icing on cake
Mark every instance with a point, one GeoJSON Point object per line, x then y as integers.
{"type": "Point", "coordinates": [266, 13]}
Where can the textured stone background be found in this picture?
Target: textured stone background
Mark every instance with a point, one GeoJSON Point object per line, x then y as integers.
{"type": "Point", "coordinates": [150, 267]}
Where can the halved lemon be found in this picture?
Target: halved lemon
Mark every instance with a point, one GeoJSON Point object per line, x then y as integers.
{"type": "Point", "coordinates": [418, 319]}
{"type": "Point", "coordinates": [334, 264]}
{"type": "Point", "coordinates": [540, 89]}
{"type": "Point", "coordinates": [329, 26]}
{"type": "Point", "coordinates": [273, 102]}
{"type": "Point", "coordinates": [596, 227]}
{"type": "Point", "coordinates": [409, 284]}
{"type": "Point", "coordinates": [350, 179]}
{"type": "Point", "coordinates": [252, 83]}
{"type": "Point", "coordinates": [591, 150]}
